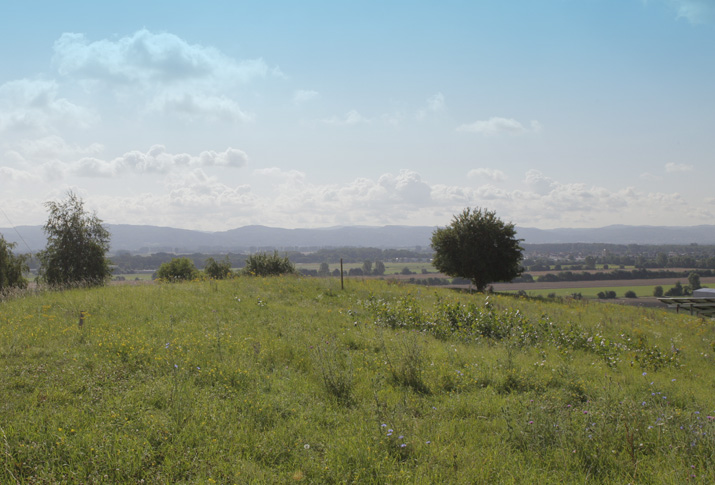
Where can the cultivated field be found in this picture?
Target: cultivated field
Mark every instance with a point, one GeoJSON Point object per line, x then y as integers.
{"type": "Point", "coordinates": [283, 380]}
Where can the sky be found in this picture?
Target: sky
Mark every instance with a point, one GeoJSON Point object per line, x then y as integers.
{"type": "Point", "coordinates": [213, 115]}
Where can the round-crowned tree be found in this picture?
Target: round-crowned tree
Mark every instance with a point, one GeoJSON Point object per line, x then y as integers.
{"type": "Point", "coordinates": [178, 269]}
{"type": "Point", "coordinates": [77, 244]}
{"type": "Point", "coordinates": [478, 246]}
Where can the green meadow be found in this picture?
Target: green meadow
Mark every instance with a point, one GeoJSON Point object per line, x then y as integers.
{"type": "Point", "coordinates": [289, 380]}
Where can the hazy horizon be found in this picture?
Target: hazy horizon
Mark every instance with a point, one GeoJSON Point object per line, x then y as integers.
{"type": "Point", "coordinates": [216, 115]}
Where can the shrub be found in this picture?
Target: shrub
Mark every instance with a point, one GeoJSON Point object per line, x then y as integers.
{"type": "Point", "coordinates": [658, 291]}
{"type": "Point", "coordinates": [216, 270]}
{"type": "Point", "coordinates": [178, 269]}
{"type": "Point", "coordinates": [630, 294]}
{"type": "Point", "coordinates": [264, 264]}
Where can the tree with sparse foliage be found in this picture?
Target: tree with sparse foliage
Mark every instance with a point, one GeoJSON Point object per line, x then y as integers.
{"type": "Point", "coordinates": [379, 269]}
{"type": "Point", "coordinates": [264, 264]}
{"type": "Point", "coordinates": [77, 245]}
{"type": "Point", "coordinates": [12, 267]}
{"type": "Point", "coordinates": [479, 246]}
{"type": "Point", "coordinates": [217, 270]}
{"type": "Point", "coordinates": [324, 269]}
{"type": "Point", "coordinates": [178, 269]}
{"type": "Point", "coordinates": [367, 268]}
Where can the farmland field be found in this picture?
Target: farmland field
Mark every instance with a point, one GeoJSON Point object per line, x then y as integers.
{"type": "Point", "coordinates": [283, 380]}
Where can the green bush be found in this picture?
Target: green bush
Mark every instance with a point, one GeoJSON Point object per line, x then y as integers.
{"type": "Point", "coordinates": [216, 270]}
{"type": "Point", "coordinates": [178, 269]}
{"type": "Point", "coordinates": [264, 264]}
{"type": "Point", "coordinates": [630, 294]}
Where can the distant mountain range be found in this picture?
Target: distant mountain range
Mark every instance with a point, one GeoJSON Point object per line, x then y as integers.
{"type": "Point", "coordinates": [151, 239]}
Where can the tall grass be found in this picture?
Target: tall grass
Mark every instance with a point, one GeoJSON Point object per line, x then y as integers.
{"type": "Point", "coordinates": [276, 380]}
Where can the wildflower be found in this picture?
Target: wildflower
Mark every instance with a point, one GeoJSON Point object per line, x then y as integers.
{"type": "Point", "coordinates": [645, 373]}
{"type": "Point", "coordinates": [383, 425]}
{"type": "Point", "coordinates": [401, 437]}
{"type": "Point", "coordinates": [531, 422]}
{"type": "Point", "coordinates": [306, 446]}
{"type": "Point", "coordinates": [402, 445]}
{"type": "Point", "coordinates": [428, 442]}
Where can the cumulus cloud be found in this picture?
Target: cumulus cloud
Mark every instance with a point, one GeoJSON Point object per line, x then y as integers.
{"type": "Point", "coordinates": [496, 125]}
{"type": "Point", "coordinates": [157, 160]}
{"type": "Point", "coordinates": [147, 57]}
{"type": "Point", "coordinates": [487, 173]}
{"type": "Point", "coordinates": [538, 182]}
{"type": "Point", "coordinates": [9, 174]}
{"type": "Point", "coordinates": [677, 167]}
{"type": "Point", "coordinates": [35, 105]}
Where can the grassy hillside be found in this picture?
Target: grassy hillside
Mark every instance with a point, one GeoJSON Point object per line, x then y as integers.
{"type": "Point", "coordinates": [283, 380]}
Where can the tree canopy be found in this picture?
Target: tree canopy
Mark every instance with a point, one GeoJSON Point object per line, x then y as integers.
{"type": "Point", "coordinates": [12, 267]}
{"type": "Point", "coordinates": [77, 244]}
{"type": "Point", "coordinates": [478, 246]}
{"type": "Point", "coordinates": [178, 269]}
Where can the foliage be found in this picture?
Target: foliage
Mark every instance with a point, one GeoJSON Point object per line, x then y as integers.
{"type": "Point", "coordinates": [218, 270]}
{"type": "Point", "coordinates": [178, 269]}
{"type": "Point", "coordinates": [283, 380]}
{"type": "Point", "coordinates": [630, 294]}
{"type": "Point", "coordinates": [606, 295]}
{"type": "Point", "coordinates": [479, 246]}
{"type": "Point", "coordinates": [77, 244]}
{"type": "Point", "coordinates": [677, 290]}
{"type": "Point", "coordinates": [264, 264]}
{"type": "Point", "coordinates": [658, 291]}
{"type": "Point", "coordinates": [694, 281]}
{"type": "Point", "coordinates": [12, 267]}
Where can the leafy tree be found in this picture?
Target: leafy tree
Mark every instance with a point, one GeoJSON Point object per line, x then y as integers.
{"type": "Point", "coordinates": [479, 246]}
{"type": "Point", "coordinates": [12, 267]}
{"type": "Point", "coordinates": [379, 269]}
{"type": "Point", "coordinates": [677, 290]}
{"type": "Point", "coordinates": [367, 268]}
{"type": "Point", "coordinates": [178, 269]}
{"type": "Point", "coordinates": [694, 281]}
{"type": "Point", "coordinates": [630, 294]}
{"type": "Point", "coordinates": [216, 270]}
{"type": "Point", "coordinates": [77, 244]}
{"type": "Point", "coordinates": [658, 291]}
{"type": "Point", "coordinates": [264, 264]}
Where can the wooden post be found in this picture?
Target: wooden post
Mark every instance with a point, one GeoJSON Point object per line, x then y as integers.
{"type": "Point", "coordinates": [81, 318]}
{"type": "Point", "coordinates": [342, 284]}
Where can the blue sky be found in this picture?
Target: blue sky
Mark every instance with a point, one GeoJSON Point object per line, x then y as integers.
{"type": "Point", "coordinates": [215, 115]}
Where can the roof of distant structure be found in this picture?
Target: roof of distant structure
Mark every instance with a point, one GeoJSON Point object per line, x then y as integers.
{"type": "Point", "coordinates": [702, 305]}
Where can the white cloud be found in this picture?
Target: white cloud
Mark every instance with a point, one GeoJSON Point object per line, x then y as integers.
{"type": "Point", "coordinates": [538, 182]}
{"type": "Point", "coordinates": [487, 173]}
{"type": "Point", "coordinates": [302, 96]}
{"type": "Point", "coordinates": [671, 167]}
{"type": "Point", "coordinates": [146, 57]}
{"type": "Point", "coordinates": [35, 105]}
{"type": "Point", "coordinates": [434, 104]}
{"type": "Point", "coordinates": [157, 160]}
{"type": "Point", "coordinates": [496, 125]}
{"type": "Point", "coordinates": [196, 106]}
{"type": "Point", "coordinates": [9, 174]}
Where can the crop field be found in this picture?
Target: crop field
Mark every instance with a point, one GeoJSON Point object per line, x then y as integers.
{"type": "Point", "coordinates": [285, 380]}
